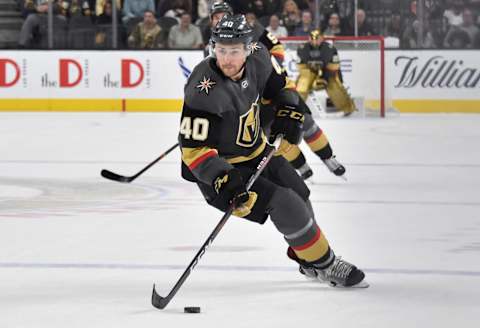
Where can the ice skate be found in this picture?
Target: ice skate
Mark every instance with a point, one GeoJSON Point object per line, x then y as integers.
{"type": "Point", "coordinates": [335, 167]}
{"type": "Point", "coordinates": [305, 171]}
{"type": "Point", "coordinates": [339, 273]}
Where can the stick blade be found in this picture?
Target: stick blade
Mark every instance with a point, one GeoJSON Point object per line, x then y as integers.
{"type": "Point", "coordinates": [114, 176]}
{"type": "Point", "coordinates": [158, 301]}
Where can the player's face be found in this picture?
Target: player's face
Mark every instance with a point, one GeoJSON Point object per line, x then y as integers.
{"type": "Point", "coordinates": [216, 18]}
{"type": "Point", "coordinates": [316, 42]}
{"type": "Point", "coordinates": [230, 58]}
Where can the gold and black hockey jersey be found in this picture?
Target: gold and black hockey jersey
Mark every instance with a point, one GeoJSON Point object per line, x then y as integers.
{"type": "Point", "coordinates": [220, 124]}
{"type": "Point", "coordinates": [324, 57]}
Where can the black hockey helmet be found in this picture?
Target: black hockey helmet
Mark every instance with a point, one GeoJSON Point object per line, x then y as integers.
{"type": "Point", "coordinates": [220, 7]}
{"type": "Point", "coordinates": [231, 30]}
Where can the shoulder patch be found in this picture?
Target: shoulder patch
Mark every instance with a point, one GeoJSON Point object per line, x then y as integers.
{"type": "Point", "coordinates": [206, 85]}
{"type": "Point", "coordinates": [255, 47]}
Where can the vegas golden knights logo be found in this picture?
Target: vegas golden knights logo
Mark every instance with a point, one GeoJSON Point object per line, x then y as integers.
{"type": "Point", "coordinates": [249, 127]}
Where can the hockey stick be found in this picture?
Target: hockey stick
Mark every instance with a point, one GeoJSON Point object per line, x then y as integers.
{"type": "Point", "coordinates": [121, 178]}
{"type": "Point", "coordinates": [161, 302]}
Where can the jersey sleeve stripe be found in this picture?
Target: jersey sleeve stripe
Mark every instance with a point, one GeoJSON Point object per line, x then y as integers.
{"type": "Point", "coordinates": [193, 157]}
{"type": "Point", "coordinates": [278, 51]}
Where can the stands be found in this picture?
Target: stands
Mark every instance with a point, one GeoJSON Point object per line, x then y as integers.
{"type": "Point", "coordinates": [389, 18]}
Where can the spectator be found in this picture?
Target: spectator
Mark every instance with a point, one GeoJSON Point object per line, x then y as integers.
{"type": "Point", "coordinates": [185, 35]}
{"type": "Point", "coordinates": [178, 8]}
{"type": "Point", "coordinates": [202, 9]}
{"type": "Point", "coordinates": [469, 26]}
{"type": "Point", "coordinates": [147, 34]}
{"type": "Point", "coordinates": [410, 37]}
{"type": "Point", "coordinates": [103, 31]}
{"type": "Point", "coordinates": [476, 41]}
{"type": "Point", "coordinates": [238, 6]}
{"type": "Point", "coordinates": [272, 7]}
{"type": "Point", "coordinates": [29, 7]}
{"type": "Point", "coordinates": [106, 14]}
{"type": "Point", "coordinates": [290, 16]}
{"type": "Point", "coordinates": [80, 11]}
{"type": "Point", "coordinates": [256, 7]}
{"type": "Point", "coordinates": [302, 4]}
{"type": "Point", "coordinates": [364, 28]}
{"type": "Point", "coordinates": [454, 15]}
{"type": "Point", "coordinates": [412, 14]}
{"type": "Point", "coordinates": [81, 31]}
{"type": "Point", "coordinates": [306, 25]}
{"type": "Point", "coordinates": [136, 8]}
{"type": "Point", "coordinates": [457, 38]}
{"type": "Point", "coordinates": [34, 29]}
{"type": "Point", "coordinates": [394, 27]}
{"type": "Point", "coordinates": [100, 5]}
{"type": "Point", "coordinates": [258, 29]}
{"type": "Point", "coordinates": [333, 27]}
{"type": "Point", "coordinates": [263, 8]}
{"type": "Point", "coordinates": [327, 7]}
{"type": "Point", "coordinates": [164, 6]}
{"type": "Point", "coordinates": [275, 28]}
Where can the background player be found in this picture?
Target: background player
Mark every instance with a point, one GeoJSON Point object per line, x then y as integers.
{"type": "Point", "coordinates": [222, 141]}
{"type": "Point", "coordinates": [312, 134]}
{"type": "Point", "coordinates": [319, 69]}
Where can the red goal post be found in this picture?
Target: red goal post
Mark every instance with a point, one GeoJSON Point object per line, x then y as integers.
{"type": "Point", "coordinates": [362, 61]}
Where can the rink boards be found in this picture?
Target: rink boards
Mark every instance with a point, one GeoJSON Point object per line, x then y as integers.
{"type": "Point", "coordinates": [415, 81]}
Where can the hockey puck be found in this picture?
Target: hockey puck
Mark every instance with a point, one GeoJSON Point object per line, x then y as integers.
{"type": "Point", "coordinates": [191, 309]}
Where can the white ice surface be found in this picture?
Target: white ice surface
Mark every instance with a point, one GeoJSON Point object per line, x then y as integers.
{"type": "Point", "coordinates": [77, 250]}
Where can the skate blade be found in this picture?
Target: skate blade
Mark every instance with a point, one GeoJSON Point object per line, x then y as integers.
{"type": "Point", "coordinates": [343, 177]}
{"type": "Point", "coordinates": [361, 284]}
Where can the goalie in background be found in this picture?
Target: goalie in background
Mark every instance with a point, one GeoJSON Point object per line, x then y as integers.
{"type": "Point", "coordinates": [319, 69]}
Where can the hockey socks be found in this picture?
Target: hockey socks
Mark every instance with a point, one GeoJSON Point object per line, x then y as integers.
{"type": "Point", "coordinates": [309, 242]}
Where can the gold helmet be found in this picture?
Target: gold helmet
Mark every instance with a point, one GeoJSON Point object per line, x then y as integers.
{"type": "Point", "coordinates": [315, 34]}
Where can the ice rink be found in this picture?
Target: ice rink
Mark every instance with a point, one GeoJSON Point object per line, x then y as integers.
{"type": "Point", "coordinates": [77, 250]}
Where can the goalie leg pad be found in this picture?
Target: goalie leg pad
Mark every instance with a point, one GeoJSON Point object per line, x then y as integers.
{"type": "Point", "coordinates": [305, 81]}
{"type": "Point", "coordinates": [339, 95]}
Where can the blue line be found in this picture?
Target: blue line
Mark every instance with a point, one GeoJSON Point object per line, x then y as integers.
{"type": "Point", "coordinates": [26, 265]}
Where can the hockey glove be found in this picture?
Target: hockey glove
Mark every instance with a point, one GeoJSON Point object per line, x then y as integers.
{"type": "Point", "coordinates": [289, 122]}
{"type": "Point", "coordinates": [230, 187]}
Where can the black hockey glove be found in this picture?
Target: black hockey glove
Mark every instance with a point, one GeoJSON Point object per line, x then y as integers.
{"type": "Point", "coordinates": [230, 187]}
{"type": "Point", "coordinates": [289, 122]}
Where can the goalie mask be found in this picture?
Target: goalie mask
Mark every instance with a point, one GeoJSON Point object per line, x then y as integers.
{"type": "Point", "coordinates": [316, 37]}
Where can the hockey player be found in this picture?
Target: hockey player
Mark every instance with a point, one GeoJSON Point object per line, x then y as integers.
{"type": "Point", "coordinates": [319, 68]}
{"type": "Point", "coordinates": [222, 142]}
{"type": "Point", "coordinates": [312, 134]}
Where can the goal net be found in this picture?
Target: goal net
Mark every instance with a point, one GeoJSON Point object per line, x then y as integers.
{"type": "Point", "coordinates": [362, 61]}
